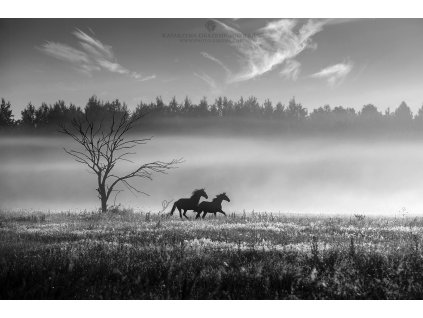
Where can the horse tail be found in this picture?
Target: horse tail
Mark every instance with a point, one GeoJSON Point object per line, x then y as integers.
{"type": "Point", "coordinates": [173, 208]}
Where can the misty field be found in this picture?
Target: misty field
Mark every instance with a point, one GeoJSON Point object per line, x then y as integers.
{"type": "Point", "coordinates": [288, 174]}
{"type": "Point", "coordinates": [128, 255]}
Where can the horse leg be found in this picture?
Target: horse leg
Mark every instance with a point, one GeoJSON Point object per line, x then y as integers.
{"type": "Point", "coordinates": [180, 213]}
{"type": "Point", "coordinates": [198, 215]}
{"type": "Point", "coordinates": [204, 214]}
{"type": "Point", "coordinates": [222, 212]}
{"type": "Point", "coordinates": [185, 214]}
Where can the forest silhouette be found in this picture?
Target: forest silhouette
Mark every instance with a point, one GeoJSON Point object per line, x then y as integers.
{"type": "Point", "coordinates": [223, 113]}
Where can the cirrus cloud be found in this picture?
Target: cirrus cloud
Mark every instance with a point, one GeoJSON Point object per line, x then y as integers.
{"type": "Point", "coordinates": [276, 43]}
{"type": "Point", "coordinates": [214, 88]}
{"type": "Point", "coordinates": [94, 55]}
{"type": "Point", "coordinates": [291, 70]}
{"type": "Point", "coordinates": [334, 74]}
{"type": "Point", "coordinates": [219, 62]}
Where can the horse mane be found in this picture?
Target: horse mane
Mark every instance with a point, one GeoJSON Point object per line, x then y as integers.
{"type": "Point", "coordinates": [196, 192]}
{"type": "Point", "coordinates": [218, 196]}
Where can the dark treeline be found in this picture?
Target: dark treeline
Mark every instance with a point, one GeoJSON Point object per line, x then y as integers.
{"type": "Point", "coordinates": [222, 112]}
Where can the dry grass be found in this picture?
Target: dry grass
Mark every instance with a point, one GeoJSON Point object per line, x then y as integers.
{"type": "Point", "coordinates": [256, 256]}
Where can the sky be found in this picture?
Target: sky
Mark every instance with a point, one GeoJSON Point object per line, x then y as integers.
{"type": "Point", "coordinates": [340, 62]}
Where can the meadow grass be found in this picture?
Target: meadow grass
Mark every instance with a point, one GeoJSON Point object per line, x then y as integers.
{"type": "Point", "coordinates": [127, 255]}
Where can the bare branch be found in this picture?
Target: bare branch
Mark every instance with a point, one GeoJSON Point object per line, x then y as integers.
{"type": "Point", "coordinates": [104, 144]}
{"type": "Point", "coordinates": [145, 171]}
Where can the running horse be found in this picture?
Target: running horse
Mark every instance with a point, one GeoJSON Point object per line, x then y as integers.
{"type": "Point", "coordinates": [187, 204]}
{"type": "Point", "coordinates": [212, 207]}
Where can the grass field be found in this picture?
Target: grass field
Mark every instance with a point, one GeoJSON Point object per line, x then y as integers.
{"type": "Point", "coordinates": [128, 255]}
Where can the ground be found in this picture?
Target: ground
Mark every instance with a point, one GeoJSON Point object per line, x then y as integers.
{"type": "Point", "coordinates": [126, 255]}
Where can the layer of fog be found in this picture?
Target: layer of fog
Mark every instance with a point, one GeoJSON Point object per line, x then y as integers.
{"type": "Point", "coordinates": [297, 175]}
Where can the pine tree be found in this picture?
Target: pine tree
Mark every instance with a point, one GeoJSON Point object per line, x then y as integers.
{"type": "Point", "coordinates": [6, 116]}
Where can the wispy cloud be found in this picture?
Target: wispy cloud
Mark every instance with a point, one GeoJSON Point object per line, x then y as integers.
{"type": "Point", "coordinates": [93, 55]}
{"type": "Point", "coordinates": [209, 81]}
{"type": "Point", "coordinates": [147, 78]}
{"type": "Point", "coordinates": [94, 46]}
{"type": "Point", "coordinates": [291, 70]}
{"type": "Point", "coordinates": [113, 67]}
{"type": "Point", "coordinates": [334, 74]}
{"type": "Point", "coordinates": [219, 62]}
{"type": "Point", "coordinates": [279, 41]}
{"type": "Point", "coordinates": [68, 54]}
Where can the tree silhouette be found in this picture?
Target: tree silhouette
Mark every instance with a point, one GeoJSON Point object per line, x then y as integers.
{"type": "Point", "coordinates": [295, 111]}
{"type": "Point", "coordinates": [6, 117]}
{"type": "Point", "coordinates": [239, 106]}
{"type": "Point", "coordinates": [203, 107]}
{"type": "Point", "coordinates": [187, 108]}
{"type": "Point", "coordinates": [293, 117]}
{"type": "Point", "coordinates": [28, 116]}
{"type": "Point", "coordinates": [173, 106]}
{"type": "Point", "coordinates": [252, 107]}
{"type": "Point", "coordinates": [369, 112]}
{"type": "Point", "coordinates": [42, 115]}
{"type": "Point", "coordinates": [371, 119]}
{"type": "Point", "coordinates": [268, 108]}
{"type": "Point", "coordinates": [403, 115]}
{"type": "Point", "coordinates": [219, 106]}
{"type": "Point", "coordinates": [322, 116]}
{"type": "Point", "coordinates": [419, 116]}
{"type": "Point", "coordinates": [279, 111]}
{"type": "Point", "coordinates": [227, 107]}
{"type": "Point", "coordinates": [160, 106]}
{"type": "Point", "coordinates": [104, 144]}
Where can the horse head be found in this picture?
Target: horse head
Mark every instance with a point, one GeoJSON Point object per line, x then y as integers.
{"type": "Point", "coordinates": [223, 196]}
{"type": "Point", "coordinates": [200, 193]}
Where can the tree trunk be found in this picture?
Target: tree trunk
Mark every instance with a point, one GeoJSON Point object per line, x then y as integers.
{"type": "Point", "coordinates": [102, 196]}
{"type": "Point", "coordinates": [103, 204]}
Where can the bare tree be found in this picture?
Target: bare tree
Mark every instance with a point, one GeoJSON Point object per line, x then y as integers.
{"type": "Point", "coordinates": [104, 144]}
